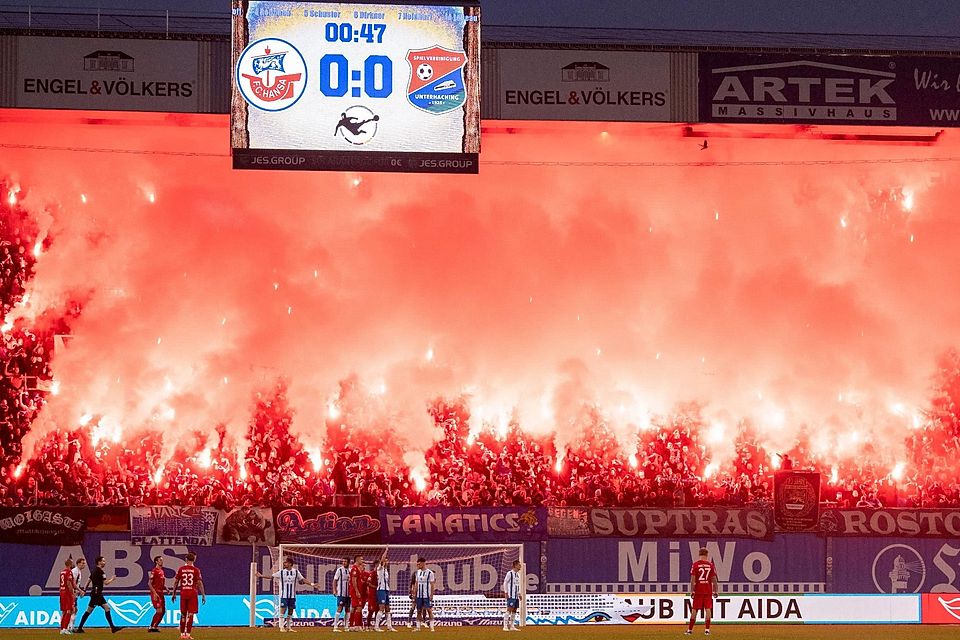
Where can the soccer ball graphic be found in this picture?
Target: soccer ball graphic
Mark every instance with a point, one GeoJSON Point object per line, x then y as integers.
{"type": "Point", "coordinates": [424, 72]}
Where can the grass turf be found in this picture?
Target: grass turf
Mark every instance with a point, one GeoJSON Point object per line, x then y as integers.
{"type": "Point", "coordinates": [585, 632]}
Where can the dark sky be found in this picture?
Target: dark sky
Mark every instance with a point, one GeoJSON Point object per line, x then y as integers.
{"type": "Point", "coordinates": [916, 17]}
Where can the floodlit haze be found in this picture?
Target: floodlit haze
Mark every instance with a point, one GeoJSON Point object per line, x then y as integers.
{"type": "Point", "coordinates": [788, 294]}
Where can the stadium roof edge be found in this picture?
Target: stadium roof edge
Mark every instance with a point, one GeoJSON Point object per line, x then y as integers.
{"type": "Point", "coordinates": [216, 27]}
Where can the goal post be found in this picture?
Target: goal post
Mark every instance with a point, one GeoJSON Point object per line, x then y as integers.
{"type": "Point", "coordinates": [468, 588]}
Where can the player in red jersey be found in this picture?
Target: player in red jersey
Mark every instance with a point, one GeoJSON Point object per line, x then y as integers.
{"type": "Point", "coordinates": [68, 592]}
{"type": "Point", "coordinates": [357, 591]}
{"type": "Point", "coordinates": [372, 606]}
{"type": "Point", "coordinates": [157, 590]}
{"type": "Point", "coordinates": [189, 582]}
{"type": "Point", "coordinates": [704, 586]}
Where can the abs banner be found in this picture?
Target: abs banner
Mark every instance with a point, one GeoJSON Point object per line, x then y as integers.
{"type": "Point", "coordinates": [807, 89]}
{"type": "Point", "coordinates": [908, 523]}
{"type": "Point", "coordinates": [194, 526]}
{"type": "Point", "coordinates": [320, 525]}
{"type": "Point", "coordinates": [246, 525]}
{"type": "Point", "coordinates": [479, 524]}
{"type": "Point", "coordinates": [43, 525]}
{"type": "Point", "coordinates": [796, 500]}
{"type": "Point", "coordinates": [748, 522]}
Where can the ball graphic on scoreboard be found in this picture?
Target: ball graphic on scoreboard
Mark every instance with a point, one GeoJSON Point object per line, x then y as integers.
{"type": "Point", "coordinates": [424, 72]}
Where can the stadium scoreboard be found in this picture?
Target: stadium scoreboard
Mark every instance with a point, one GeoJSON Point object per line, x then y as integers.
{"type": "Point", "coordinates": [357, 86]}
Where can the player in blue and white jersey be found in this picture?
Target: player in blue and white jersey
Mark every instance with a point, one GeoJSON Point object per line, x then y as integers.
{"type": "Point", "coordinates": [511, 588]}
{"type": "Point", "coordinates": [383, 595]}
{"type": "Point", "coordinates": [424, 600]}
{"type": "Point", "coordinates": [341, 589]}
{"type": "Point", "coordinates": [289, 579]}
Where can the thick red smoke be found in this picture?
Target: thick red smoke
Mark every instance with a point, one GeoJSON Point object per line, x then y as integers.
{"type": "Point", "coordinates": [800, 282]}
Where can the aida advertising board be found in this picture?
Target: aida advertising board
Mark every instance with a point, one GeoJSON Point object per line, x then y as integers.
{"type": "Point", "coordinates": [356, 87]}
{"type": "Point", "coordinates": [316, 610]}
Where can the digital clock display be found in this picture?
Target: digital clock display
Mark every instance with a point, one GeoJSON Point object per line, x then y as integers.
{"type": "Point", "coordinates": [356, 86]}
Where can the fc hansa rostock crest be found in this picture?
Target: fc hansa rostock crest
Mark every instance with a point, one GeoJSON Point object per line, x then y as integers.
{"type": "Point", "coordinates": [271, 74]}
{"type": "Point", "coordinates": [436, 79]}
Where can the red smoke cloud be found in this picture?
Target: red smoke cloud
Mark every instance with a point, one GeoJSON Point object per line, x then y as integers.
{"type": "Point", "coordinates": [772, 287]}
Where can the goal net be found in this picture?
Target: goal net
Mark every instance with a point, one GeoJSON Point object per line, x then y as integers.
{"type": "Point", "coordinates": [468, 588]}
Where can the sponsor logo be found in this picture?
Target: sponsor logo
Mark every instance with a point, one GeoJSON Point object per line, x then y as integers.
{"type": "Point", "coordinates": [898, 568]}
{"type": "Point", "coordinates": [6, 610]}
{"type": "Point", "coordinates": [325, 527]}
{"type": "Point", "coordinates": [436, 79]}
{"type": "Point", "coordinates": [803, 90]}
{"type": "Point", "coordinates": [108, 61]}
{"type": "Point", "coordinates": [130, 610]}
{"type": "Point", "coordinates": [585, 72]}
{"type": "Point", "coordinates": [358, 125]}
{"type": "Point", "coordinates": [951, 606]}
{"type": "Point", "coordinates": [115, 62]}
{"type": "Point", "coordinates": [271, 74]}
{"type": "Point", "coordinates": [264, 608]}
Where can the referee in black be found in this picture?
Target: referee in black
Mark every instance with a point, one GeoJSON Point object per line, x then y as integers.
{"type": "Point", "coordinates": [99, 580]}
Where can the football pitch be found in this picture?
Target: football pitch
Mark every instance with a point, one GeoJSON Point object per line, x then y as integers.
{"type": "Point", "coordinates": [607, 632]}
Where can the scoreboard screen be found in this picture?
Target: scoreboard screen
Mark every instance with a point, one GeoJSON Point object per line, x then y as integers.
{"type": "Point", "coordinates": [357, 86]}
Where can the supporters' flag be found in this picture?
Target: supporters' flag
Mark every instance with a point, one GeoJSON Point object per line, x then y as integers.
{"type": "Point", "coordinates": [246, 525]}
{"type": "Point", "coordinates": [796, 500]}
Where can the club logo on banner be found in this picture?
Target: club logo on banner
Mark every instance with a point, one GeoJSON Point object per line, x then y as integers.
{"type": "Point", "coordinates": [191, 526]}
{"type": "Point", "coordinates": [317, 525]}
{"type": "Point", "coordinates": [898, 568]}
{"type": "Point", "coordinates": [42, 525]}
{"type": "Point", "coordinates": [477, 524]}
{"type": "Point", "coordinates": [796, 500]}
{"type": "Point", "coordinates": [436, 79]}
{"type": "Point", "coordinates": [246, 525]}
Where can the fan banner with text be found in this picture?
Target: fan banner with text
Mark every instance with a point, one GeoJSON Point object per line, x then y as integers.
{"type": "Point", "coordinates": [583, 522]}
{"type": "Point", "coordinates": [322, 525]}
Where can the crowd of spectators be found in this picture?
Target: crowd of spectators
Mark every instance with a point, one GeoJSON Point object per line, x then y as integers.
{"type": "Point", "coordinates": [671, 461]}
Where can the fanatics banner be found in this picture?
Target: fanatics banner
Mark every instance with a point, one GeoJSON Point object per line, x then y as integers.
{"type": "Point", "coordinates": [246, 525]}
{"type": "Point", "coordinates": [907, 523]}
{"type": "Point", "coordinates": [42, 525]}
{"type": "Point", "coordinates": [192, 526]}
{"type": "Point", "coordinates": [478, 524]}
{"type": "Point", "coordinates": [796, 500]}
{"type": "Point", "coordinates": [321, 525]}
{"type": "Point", "coordinates": [573, 522]}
